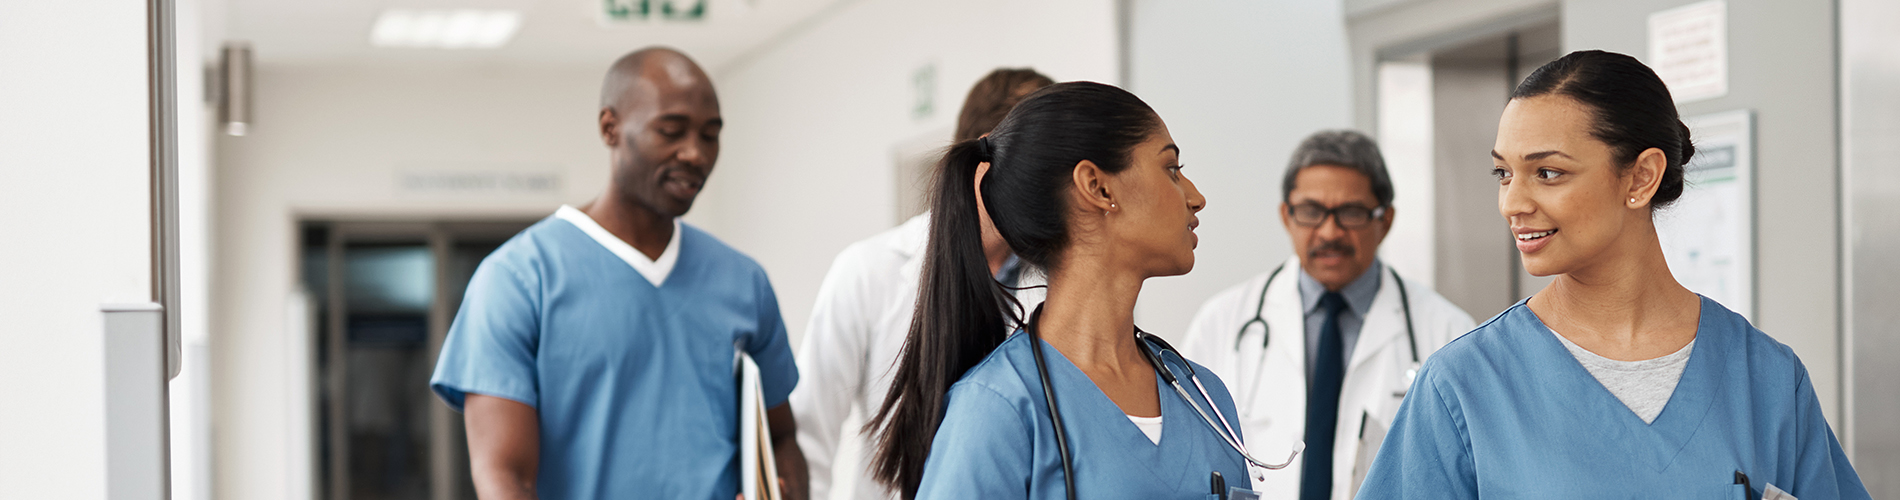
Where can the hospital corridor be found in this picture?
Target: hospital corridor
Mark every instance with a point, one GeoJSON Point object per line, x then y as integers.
{"type": "Point", "coordinates": [910, 249]}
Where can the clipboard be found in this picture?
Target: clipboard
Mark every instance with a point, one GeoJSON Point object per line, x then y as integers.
{"type": "Point", "coordinates": [758, 467]}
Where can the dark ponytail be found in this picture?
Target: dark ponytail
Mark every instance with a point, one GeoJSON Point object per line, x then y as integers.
{"type": "Point", "coordinates": [963, 314]}
{"type": "Point", "coordinates": [1631, 107]}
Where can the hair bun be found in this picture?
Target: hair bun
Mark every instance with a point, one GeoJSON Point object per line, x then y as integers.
{"type": "Point", "coordinates": [1687, 150]}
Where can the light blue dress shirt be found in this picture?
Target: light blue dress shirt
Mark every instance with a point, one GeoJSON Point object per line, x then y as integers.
{"type": "Point", "coordinates": [1358, 294]}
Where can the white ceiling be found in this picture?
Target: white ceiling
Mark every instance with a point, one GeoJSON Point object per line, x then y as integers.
{"type": "Point", "coordinates": [553, 32]}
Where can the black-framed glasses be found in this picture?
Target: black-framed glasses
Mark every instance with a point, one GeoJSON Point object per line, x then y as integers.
{"type": "Point", "coordinates": [1349, 216]}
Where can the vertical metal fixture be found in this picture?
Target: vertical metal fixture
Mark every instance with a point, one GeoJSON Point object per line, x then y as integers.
{"type": "Point", "coordinates": [234, 83]}
{"type": "Point", "coordinates": [1511, 56]}
{"type": "Point", "coordinates": [1124, 44]}
{"type": "Point", "coordinates": [336, 374]}
{"type": "Point", "coordinates": [162, 130]}
{"type": "Point", "coordinates": [1870, 210]}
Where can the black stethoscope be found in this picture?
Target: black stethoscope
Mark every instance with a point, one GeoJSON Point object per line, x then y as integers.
{"type": "Point", "coordinates": [1405, 303]}
{"type": "Point", "coordinates": [1154, 349]}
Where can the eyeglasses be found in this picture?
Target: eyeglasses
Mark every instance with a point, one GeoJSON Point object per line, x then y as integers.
{"type": "Point", "coordinates": [1349, 216]}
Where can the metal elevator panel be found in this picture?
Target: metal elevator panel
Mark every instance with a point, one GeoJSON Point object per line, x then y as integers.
{"type": "Point", "coordinates": [1870, 206]}
{"type": "Point", "coordinates": [1476, 264]}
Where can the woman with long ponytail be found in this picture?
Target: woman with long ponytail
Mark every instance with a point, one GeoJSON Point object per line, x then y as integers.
{"type": "Point", "coordinates": [1084, 183]}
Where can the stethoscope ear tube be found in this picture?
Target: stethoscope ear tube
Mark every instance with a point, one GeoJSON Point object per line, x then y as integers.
{"type": "Point", "coordinates": [1259, 307]}
{"type": "Point", "coordinates": [1049, 397]}
{"type": "Point", "coordinates": [1266, 334]}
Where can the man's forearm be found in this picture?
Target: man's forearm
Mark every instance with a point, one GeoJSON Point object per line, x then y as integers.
{"type": "Point", "coordinates": [791, 460]}
{"type": "Point", "coordinates": [491, 487]}
{"type": "Point", "coordinates": [791, 468]}
{"type": "Point", "coordinates": [503, 447]}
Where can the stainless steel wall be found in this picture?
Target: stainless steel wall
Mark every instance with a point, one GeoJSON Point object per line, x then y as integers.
{"type": "Point", "coordinates": [1870, 210]}
{"type": "Point", "coordinates": [1475, 259]}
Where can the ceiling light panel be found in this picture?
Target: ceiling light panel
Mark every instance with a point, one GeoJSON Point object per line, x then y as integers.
{"type": "Point", "coordinates": [445, 29]}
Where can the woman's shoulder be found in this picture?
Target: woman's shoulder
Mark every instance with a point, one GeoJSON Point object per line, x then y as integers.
{"type": "Point", "coordinates": [1495, 334]}
{"type": "Point", "coordinates": [1764, 355]}
{"type": "Point", "coordinates": [998, 373]}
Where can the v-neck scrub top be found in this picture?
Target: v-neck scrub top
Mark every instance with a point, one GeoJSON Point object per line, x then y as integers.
{"type": "Point", "coordinates": [1506, 412]}
{"type": "Point", "coordinates": [997, 441]}
{"type": "Point", "coordinates": [633, 383]}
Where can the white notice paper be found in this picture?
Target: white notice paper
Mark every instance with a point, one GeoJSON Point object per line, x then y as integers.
{"type": "Point", "coordinates": [1688, 48]}
{"type": "Point", "coordinates": [1708, 235]}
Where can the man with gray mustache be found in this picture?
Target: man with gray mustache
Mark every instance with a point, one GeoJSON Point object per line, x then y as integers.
{"type": "Point", "coordinates": [1323, 348]}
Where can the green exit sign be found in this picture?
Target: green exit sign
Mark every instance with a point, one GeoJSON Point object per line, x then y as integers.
{"type": "Point", "coordinates": [618, 11]}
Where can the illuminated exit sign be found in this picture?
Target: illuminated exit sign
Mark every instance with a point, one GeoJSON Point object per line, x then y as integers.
{"type": "Point", "coordinates": [641, 11]}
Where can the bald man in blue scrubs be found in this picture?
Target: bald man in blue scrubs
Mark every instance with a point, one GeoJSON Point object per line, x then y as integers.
{"type": "Point", "coordinates": [593, 356]}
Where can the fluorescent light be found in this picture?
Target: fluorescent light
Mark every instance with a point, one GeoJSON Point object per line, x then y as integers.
{"type": "Point", "coordinates": [445, 29]}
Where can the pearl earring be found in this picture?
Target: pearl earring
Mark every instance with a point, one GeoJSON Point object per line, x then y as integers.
{"type": "Point", "coordinates": [1632, 200]}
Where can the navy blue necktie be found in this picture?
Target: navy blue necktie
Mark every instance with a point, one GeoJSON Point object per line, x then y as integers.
{"type": "Point", "coordinates": [1322, 403]}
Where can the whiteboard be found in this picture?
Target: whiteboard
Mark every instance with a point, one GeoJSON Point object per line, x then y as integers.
{"type": "Point", "coordinates": [1708, 236]}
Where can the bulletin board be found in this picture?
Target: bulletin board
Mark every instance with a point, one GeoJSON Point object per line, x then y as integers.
{"type": "Point", "coordinates": [1708, 236]}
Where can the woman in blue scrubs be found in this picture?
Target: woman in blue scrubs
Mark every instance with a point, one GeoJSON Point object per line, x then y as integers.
{"type": "Point", "coordinates": [1614, 381]}
{"type": "Point", "coordinates": [1084, 183]}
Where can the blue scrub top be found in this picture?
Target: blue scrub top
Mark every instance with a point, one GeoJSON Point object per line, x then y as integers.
{"type": "Point", "coordinates": [997, 441]}
{"type": "Point", "coordinates": [633, 383]}
{"type": "Point", "coordinates": [1506, 412]}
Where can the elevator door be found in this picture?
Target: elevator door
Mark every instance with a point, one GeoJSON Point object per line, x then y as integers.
{"type": "Point", "coordinates": [1438, 120]}
{"type": "Point", "coordinates": [385, 295]}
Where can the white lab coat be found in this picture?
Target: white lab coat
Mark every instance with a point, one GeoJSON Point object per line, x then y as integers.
{"type": "Point", "coordinates": [1271, 395]}
{"type": "Point", "coordinates": [851, 345]}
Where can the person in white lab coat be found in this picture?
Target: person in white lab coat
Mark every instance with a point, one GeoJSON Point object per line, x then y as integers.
{"type": "Point", "coordinates": [1332, 335]}
{"type": "Point", "coordinates": [864, 309]}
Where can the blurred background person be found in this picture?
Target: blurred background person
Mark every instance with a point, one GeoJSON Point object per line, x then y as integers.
{"type": "Point", "coordinates": [1323, 347]}
{"type": "Point", "coordinates": [865, 304]}
{"type": "Point", "coordinates": [593, 356]}
{"type": "Point", "coordinates": [1614, 379]}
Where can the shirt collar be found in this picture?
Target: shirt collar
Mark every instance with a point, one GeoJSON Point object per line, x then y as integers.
{"type": "Point", "coordinates": [654, 270]}
{"type": "Point", "coordinates": [1011, 271]}
{"type": "Point", "coordinates": [1358, 294]}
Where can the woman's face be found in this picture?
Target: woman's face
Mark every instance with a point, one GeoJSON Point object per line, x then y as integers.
{"type": "Point", "coordinates": [1560, 188]}
{"type": "Point", "coordinates": [1155, 221]}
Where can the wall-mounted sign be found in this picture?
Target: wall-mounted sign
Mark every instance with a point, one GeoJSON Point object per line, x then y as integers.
{"type": "Point", "coordinates": [1688, 48]}
{"type": "Point", "coordinates": [1708, 236]}
{"type": "Point", "coordinates": [923, 91]}
{"type": "Point", "coordinates": [643, 11]}
{"type": "Point", "coordinates": [460, 183]}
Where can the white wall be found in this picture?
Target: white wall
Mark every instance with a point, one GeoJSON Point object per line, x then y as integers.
{"type": "Point", "coordinates": [812, 119]}
{"type": "Point", "coordinates": [74, 189]}
{"type": "Point", "coordinates": [199, 30]}
{"type": "Point", "coordinates": [332, 142]}
{"type": "Point", "coordinates": [1240, 83]}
